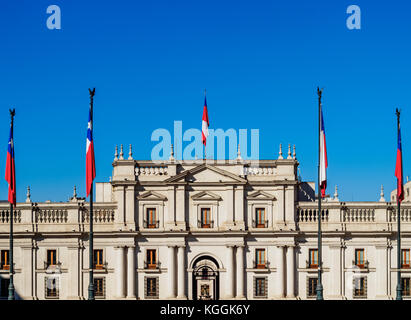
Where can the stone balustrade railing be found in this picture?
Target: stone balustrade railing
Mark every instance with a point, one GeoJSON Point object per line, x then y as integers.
{"type": "Point", "coordinates": [55, 214]}
{"type": "Point", "coordinates": [352, 212]}
{"type": "Point", "coordinates": [259, 171]}
{"type": "Point", "coordinates": [157, 170]}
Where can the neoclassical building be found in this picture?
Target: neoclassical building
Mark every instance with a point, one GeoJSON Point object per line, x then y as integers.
{"type": "Point", "coordinates": [205, 229]}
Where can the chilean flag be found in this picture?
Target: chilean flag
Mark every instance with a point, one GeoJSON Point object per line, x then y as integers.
{"type": "Point", "coordinates": [205, 123]}
{"type": "Point", "coordinates": [323, 158]}
{"type": "Point", "coordinates": [90, 164]}
{"type": "Point", "coordinates": [398, 169]}
{"type": "Point", "coordinates": [10, 170]}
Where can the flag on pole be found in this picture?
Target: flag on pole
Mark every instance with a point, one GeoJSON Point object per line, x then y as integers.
{"type": "Point", "coordinates": [323, 158]}
{"type": "Point", "coordinates": [398, 168]}
{"type": "Point", "coordinates": [205, 123]}
{"type": "Point", "coordinates": [90, 164]}
{"type": "Point", "coordinates": [10, 170]}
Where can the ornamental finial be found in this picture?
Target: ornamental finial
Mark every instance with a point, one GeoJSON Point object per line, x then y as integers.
{"type": "Point", "coordinates": [294, 154]}
{"type": "Point", "coordinates": [121, 153]}
{"type": "Point", "coordinates": [116, 154]}
{"type": "Point", "coordinates": [336, 193]}
{"type": "Point", "coordinates": [238, 153]}
{"type": "Point", "coordinates": [130, 153]}
{"type": "Point", "coordinates": [171, 153]}
{"type": "Point", "coordinates": [289, 152]}
{"type": "Point", "coordinates": [28, 195]}
{"type": "Point", "coordinates": [382, 199]}
{"type": "Point", "coordinates": [280, 153]}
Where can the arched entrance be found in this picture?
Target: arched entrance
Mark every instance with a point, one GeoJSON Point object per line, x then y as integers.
{"type": "Point", "coordinates": [205, 279]}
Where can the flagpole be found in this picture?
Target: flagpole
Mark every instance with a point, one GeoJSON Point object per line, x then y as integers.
{"type": "Point", "coordinates": [205, 150]}
{"type": "Point", "coordinates": [399, 285]}
{"type": "Point", "coordinates": [319, 284]}
{"type": "Point", "coordinates": [11, 284]}
{"type": "Point", "coordinates": [91, 249]}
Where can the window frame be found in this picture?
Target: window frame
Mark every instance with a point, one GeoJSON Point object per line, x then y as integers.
{"type": "Point", "coordinates": [148, 294]}
{"type": "Point", "coordinates": [362, 291]}
{"type": "Point", "coordinates": [5, 259]}
{"type": "Point", "coordinates": [56, 294]}
{"type": "Point", "coordinates": [96, 265]}
{"type": "Point", "coordinates": [53, 255]}
{"type": "Point", "coordinates": [103, 285]}
{"type": "Point", "coordinates": [260, 263]}
{"type": "Point", "coordinates": [205, 223]}
{"type": "Point", "coordinates": [404, 293]}
{"type": "Point", "coordinates": [314, 287]}
{"type": "Point", "coordinates": [258, 281]}
{"type": "Point", "coordinates": [360, 257]}
{"type": "Point", "coordinates": [151, 222]}
{"type": "Point", "coordinates": [405, 257]}
{"type": "Point", "coordinates": [151, 263]}
{"type": "Point", "coordinates": [260, 223]}
{"type": "Point", "coordinates": [312, 252]}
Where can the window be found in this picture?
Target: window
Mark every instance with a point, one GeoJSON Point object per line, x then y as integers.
{"type": "Point", "coordinates": [151, 259]}
{"type": "Point", "coordinates": [98, 259]}
{"type": "Point", "coordinates": [4, 287]}
{"type": "Point", "coordinates": [151, 287]}
{"type": "Point", "coordinates": [260, 287]}
{"type": "Point", "coordinates": [52, 287]}
{"type": "Point", "coordinates": [205, 218]}
{"type": "Point", "coordinates": [313, 258]}
{"type": "Point", "coordinates": [312, 287]}
{"type": "Point", "coordinates": [51, 258]}
{"type": "Point", "coordinates": [359, 258]}
{"type": "Point", "coordinates": [360, 287]}
{"type": "Point", "coordinates": [151, 218]}
{"type": "Point", "coordinates": [5, 260]}
{"type": "Point", "coordinates": [405, 282]}
{"type": "Point", "coordinates": [260, 258]}
{"type": "Point", "coordinates": [260, 217]}
{"type": "Point", "coordinates": [405, 254]}
{"type": "Point", "coordinates": [99, 287]}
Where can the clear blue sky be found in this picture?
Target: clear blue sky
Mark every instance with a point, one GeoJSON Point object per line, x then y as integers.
{"type": "Point", "coordinates": [150, 61]}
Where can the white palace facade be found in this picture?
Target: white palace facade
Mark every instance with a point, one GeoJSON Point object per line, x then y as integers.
{"type": "Point", "coordinates": [205, 230]}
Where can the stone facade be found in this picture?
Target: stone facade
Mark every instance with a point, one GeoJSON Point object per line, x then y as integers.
{"type": "Point", "coordinates": [205, 230]}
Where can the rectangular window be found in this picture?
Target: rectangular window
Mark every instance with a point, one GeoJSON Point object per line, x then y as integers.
{"type": "Point", "coordinates": [260, 258]}
{"type": "Point", "coordinates": [51, 258]}
{"type": "Point", "coordinates": [151, 259]}
{"type": "Point", "coordinates": [98, 259]}
{"type": "Point", "coordinates": [405, 263]}
{"type": "Point", "coordinates": [405, 282]}
{"type": "Point", "coordinates": [359, 258]}
{"type": "Point", "coordinates": [151, 287]}
{"type": "Point", "coordinates": [360, 287]}
{"type": "Point", "coordinates": [151, 218]}
{"type": "Point", "coordinates": [313, 258]}
{"type": "Point", "coordinates": [260, 217]}
{"type": "Point", "coordinates": [5, 260]}
{"type": "Point", "coordinates": [205, 218]}
{"type": "Point", "coordinates": [4, 287]}
{"type": "Point", "coordinates": [52, 287]}
{"type": "Point", "coordinates": [99, 287]}
{"type": "Point", "coordinates": [260, 287]}
{"type": "Point", "coordinates": [312, 287]}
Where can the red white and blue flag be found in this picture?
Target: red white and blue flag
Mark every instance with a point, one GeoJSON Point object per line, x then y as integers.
{"type": "Point", "coordinates": [205, 123]}
{"type": "Point", "coordinates": [10, 170]}
{"type": "Point", "coordinates": [323, 158]}
{"type": "Point", "coordinates": [90, 164]}
{"type": "Point", "coordinates": [398, 169]}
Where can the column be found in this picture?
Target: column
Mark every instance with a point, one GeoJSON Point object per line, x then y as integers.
{"type": "Point", "coordinates": [230, 272]}
{"type": "Point", "coordinates": [73, 267]}
{"type": "Point", "coordinates": [335, 271]}
{"type": "Point", "coordinates": [131, 273]}
{"type": "Point", "coordinates": [381, 271]}
{"type": "Point", "coordinates": [27, 271]}
{"type": "Point", "coordinates": [280, 271]}
{"type": "Point", "coordinates": [130, 207]}
{"type": "Point", "coordinates": [172, 272]}
{"type": "Point", "coordinates": [120, 272]}
{"type": "Point", "coordinates": [290, 272]}
{"type": "Point", "coordinates": [240, 272]}
{"type": "Point", "coordinates": [181, 274]}
{"type": "Point", "coordinates": [180, 207]}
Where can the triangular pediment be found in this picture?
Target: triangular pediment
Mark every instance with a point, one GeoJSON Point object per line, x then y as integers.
{"type": "Point", "coordinates": [206, 174]}
{"type": "Point", "coordinates": [261, 195]}
{"type": "Point", "coordinates": [206, 195]}
{"type": "Point", "coordinates": [151, 195]}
